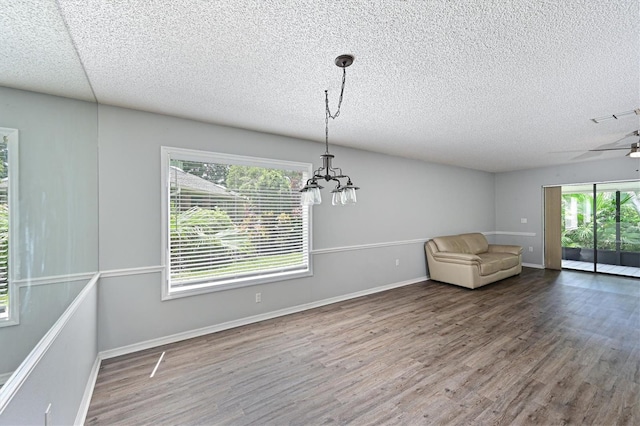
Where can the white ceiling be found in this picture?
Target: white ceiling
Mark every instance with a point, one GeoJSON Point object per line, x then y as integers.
{"type": "Point", "coordinates": [489, 84]}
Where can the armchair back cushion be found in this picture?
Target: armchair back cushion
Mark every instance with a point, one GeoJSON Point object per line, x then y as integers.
{"type": "Point", "coordinates": [477, 242]}
{"type": "Point", "coordinates": [464, 243]}
{"type": "Point", "coordinates": [452, 244]}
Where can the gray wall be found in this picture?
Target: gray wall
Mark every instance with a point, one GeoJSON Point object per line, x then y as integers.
{"type": "Point", "coordinates": [45, 305]}
{"type": "Point", "coordinates": [58, 182]}
{"type": "Point", "coordinates": [400, 200]}
{"type": "Point", "coordinates": [519, 195]}
{"type": "Point", "coordinates": [58, 208]}
{"type": "Point", "coordinates": [57, 238]}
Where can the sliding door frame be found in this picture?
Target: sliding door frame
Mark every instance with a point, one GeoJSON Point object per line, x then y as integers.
{"type": "Point", "coordinates": [552, 227]}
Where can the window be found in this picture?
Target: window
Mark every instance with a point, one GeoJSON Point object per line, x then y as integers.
{"type": "Point", "coordinates": [232, 221]}
{"type": "Point", "coordinates": [8, 196]}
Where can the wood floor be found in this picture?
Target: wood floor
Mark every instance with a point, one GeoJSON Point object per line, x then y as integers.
{"type": "Point", "coordinates": [543, 348]}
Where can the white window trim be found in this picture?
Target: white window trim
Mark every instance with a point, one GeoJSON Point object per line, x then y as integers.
{"type": "Point", "coordinates": [166, 153]}
{"type": "Point", "coordinates": [14, 261]}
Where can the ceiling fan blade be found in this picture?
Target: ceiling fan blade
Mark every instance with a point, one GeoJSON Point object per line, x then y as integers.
{"type": "Point", "coordinates": [588, 154]}
{"type": "Point", "coordinates": [564, 152]}
{"type": "Point", "coordinates": [618, 142]}
{"type": "Point", "coordinates": [608, 149]}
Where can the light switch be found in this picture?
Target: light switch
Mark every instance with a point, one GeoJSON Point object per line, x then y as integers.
{"type": "Point", "coordinates": [523, 220]}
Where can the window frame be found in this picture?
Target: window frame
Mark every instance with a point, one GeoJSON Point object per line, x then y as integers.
{"type": "Point", "coordinates": [169, 153]}
{"type": "Point", "coordinates": [13, 317]}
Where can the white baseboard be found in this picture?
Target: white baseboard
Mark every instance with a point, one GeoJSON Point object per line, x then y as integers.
{"type": "Point", "coordinates": [81, 417]}
{"type": "Point", "coordinates": [148, 344]}
{"type": "Point", "coordinates": [533, 265]}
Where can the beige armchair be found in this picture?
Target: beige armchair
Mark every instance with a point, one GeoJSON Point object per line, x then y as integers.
{"type": "Point", "coordinates": [468, 260]}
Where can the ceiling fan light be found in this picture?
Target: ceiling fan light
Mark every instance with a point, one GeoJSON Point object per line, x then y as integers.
{"type": "Point", "coordinates": [635, 150]}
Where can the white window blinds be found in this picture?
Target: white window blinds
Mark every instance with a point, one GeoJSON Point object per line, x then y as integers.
{"type": "Point", "coordinates": [4, 228]}
{"type": "Point", "coordinates": [234, 220]}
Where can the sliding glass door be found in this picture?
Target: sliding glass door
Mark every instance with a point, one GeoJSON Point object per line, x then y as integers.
{"type": "Point", "coordinates": [601, 227]}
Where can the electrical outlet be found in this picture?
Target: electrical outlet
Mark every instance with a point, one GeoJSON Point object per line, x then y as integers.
{"type": "Point", "coordinates": [530, 249]}
{"type": "Point", "coordinates": [397, 262]}
{"type": "Point", "coordinates": [258, 297]}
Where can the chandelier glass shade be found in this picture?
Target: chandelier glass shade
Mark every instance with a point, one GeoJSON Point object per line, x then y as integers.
{"type": "Point", "coordinates": [343, 193]}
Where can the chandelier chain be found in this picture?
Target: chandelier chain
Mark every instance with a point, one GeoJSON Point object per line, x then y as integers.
{"type": "Point", "coordinates": [328, 112]}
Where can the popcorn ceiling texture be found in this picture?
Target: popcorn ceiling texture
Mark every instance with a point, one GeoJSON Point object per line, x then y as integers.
{"type": "Point", "coordinates": [36, 52]}
{"type": "Point", "coordinates": [490, 85]}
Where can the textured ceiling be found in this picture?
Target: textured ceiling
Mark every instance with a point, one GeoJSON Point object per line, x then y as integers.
{"type": "Point", "coordinates": [489, 85]}
{"type": "Point", "coordinates": [36, 51]}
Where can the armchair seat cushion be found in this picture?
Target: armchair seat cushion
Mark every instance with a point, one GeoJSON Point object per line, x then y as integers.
{"type": "Point", "coordinates": [470, 261]}
{"type": "Point", "coordinates": [490, 263]}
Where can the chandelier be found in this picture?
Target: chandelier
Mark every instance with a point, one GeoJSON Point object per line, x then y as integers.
{"type": "Point", "coordinates": [343, 193]}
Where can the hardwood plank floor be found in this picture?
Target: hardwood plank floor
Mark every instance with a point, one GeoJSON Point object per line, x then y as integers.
{"type": "Point", "coordinates": [545, 347]}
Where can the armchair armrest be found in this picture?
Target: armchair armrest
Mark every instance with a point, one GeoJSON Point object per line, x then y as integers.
{"type": "Point", "coordinates": [504, 248]}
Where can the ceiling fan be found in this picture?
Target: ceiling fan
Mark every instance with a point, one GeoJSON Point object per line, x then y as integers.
{"type": "Point", "coordinates": [634, 150]}
{"type": "Point", "coordinates": [614, 146]}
